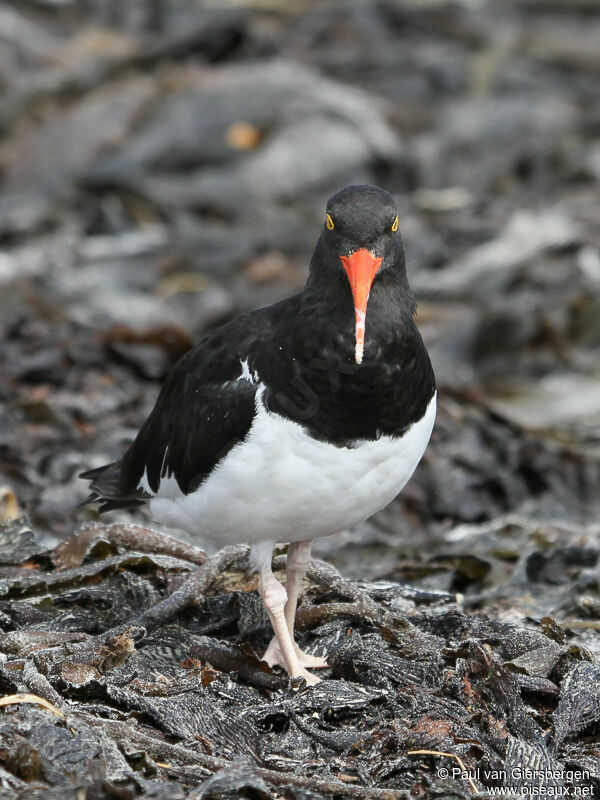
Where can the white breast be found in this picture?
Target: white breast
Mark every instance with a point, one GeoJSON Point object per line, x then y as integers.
{"type": "Point", "coordinates": [280, 484]}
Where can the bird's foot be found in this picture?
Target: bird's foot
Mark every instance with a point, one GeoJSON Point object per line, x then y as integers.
{"type": "Point", "coordinates": [273, 656]}
{"type": "Point", "coordinates": [312, 662]}
{"type": "Point", "coordinates": [310, 679]}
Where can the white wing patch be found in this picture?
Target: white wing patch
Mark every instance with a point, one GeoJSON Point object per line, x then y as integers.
{"type": "Point", "coordinates": [247, 375]}
{"type": "Point", "coordinates": [167, 483]}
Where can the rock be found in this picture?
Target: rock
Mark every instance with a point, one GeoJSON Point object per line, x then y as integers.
{"type": "Point", "coordinates": [567, 401]}
{"type": "Point", "coordinates": [489, 267]}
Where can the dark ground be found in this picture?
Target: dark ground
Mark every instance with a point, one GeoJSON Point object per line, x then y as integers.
{"type": "Point", "coordinates": [164, 166]}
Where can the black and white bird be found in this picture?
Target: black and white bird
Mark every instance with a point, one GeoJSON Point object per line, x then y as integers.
{"type": "Point", "coordinates": [294, 421]}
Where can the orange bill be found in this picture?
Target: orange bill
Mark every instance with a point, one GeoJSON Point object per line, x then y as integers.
{"type": "Point", "coordinates": [361, 268]}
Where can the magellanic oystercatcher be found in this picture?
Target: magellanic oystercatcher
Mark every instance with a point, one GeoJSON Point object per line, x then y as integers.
{"type": "Point", "coordinates": [294, 421]}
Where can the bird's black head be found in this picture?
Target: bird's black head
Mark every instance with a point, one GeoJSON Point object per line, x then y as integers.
{"type": "Point", "coordinates": [359, 217]}
{"type": "Point", "coordinates": [360, 240]}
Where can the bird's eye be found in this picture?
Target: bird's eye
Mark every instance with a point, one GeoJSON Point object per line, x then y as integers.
{"type": "Point", "coordinates": [329, 223]}
{"type": "Point", "coordinates": [395, 224]}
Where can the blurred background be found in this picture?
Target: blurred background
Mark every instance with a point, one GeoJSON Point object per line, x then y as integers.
{"type": "Point", "coordinates": [164, 165]}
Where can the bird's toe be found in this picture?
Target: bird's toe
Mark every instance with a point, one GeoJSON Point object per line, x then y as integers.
{"type": "Point", "coordinates": [310, 679]}
{"type": "Point", "coordinates": [312, 662]}
{"type": "Point", "coordinates": [274, 657]}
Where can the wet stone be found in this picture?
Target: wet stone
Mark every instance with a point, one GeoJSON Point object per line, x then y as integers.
{"type": "Point", "coordinates": [17, 542]}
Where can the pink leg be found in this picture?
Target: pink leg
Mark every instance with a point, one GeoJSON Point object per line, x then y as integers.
{"type": "Point", "coordinates": [274, 598]}
{"type": "Point", "coordinates": [298, 561]}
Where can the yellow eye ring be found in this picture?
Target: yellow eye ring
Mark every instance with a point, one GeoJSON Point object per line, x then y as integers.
{"type": "Point", "coordinates": [395, 224]}
{"type": "Point", "coordinates": [329, 222]}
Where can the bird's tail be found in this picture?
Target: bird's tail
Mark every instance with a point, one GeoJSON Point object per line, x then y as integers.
{"type": "Point", "coordinates": [107, 488]}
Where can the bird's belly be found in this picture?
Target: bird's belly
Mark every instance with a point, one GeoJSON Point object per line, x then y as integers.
{"type": "Point", "coordinates": [280, 484]}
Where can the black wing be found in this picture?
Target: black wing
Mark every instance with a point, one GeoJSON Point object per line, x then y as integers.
{"type": "Point", "coordinates": [205, 408]}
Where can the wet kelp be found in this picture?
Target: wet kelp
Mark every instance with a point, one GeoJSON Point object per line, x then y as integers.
{"type": "Point", "coordinates": [122, 676]}
{"type": "Point", "coordinates": [164, 166]}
